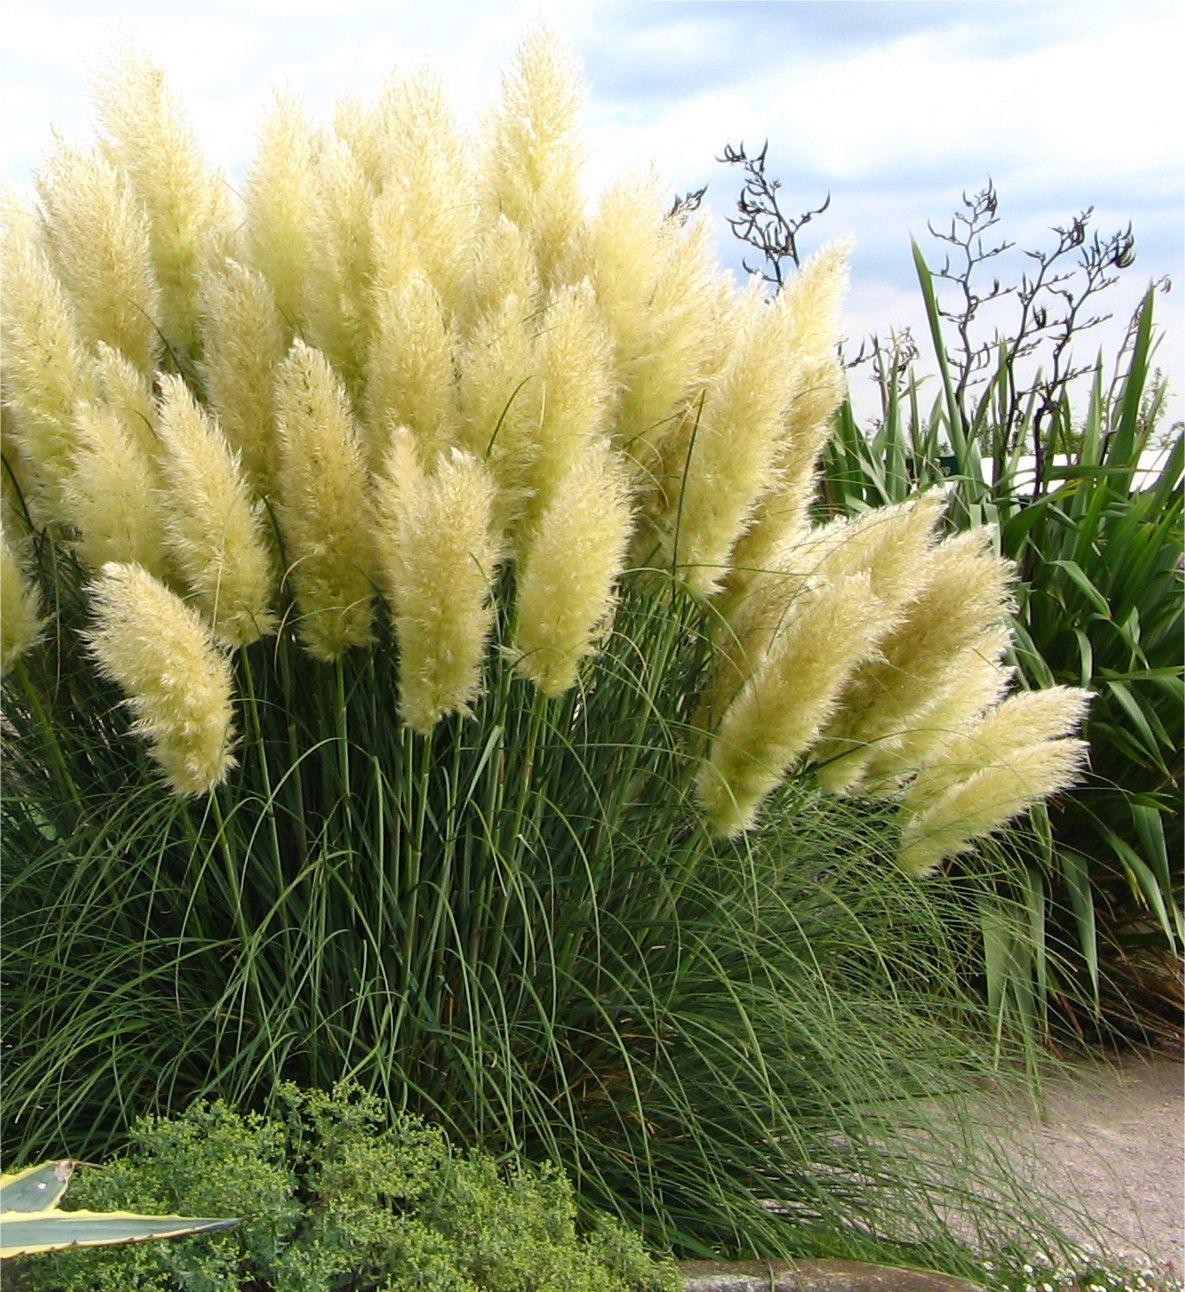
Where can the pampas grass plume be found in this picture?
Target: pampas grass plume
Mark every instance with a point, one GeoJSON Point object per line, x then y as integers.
{"type": "Point", "coordinates": [113, 495]}
{"type": "Point", "coordinates": [243, 343]}
{"type": "Point", "coordinates": [988, 800]}
{"type": "Point", "coordinates": [781, 710]}
{"type": "Point", "coordinates": [568, 574]}
{"type": "Point", "coordinates": [280, 197]}
{"type": "Point", "coordinates": [216, 533]}
{"type": "Point", "coordinates": [439, 557]}
{"type": "Point", "coordinates": [176, 682]}
{"type": "Point", "coordinates": [187, 204]}
{"type": "Point", "coordinates": [98, 237]}
{"type": "Point", "coordinates": [324, 507]}
{"type": "Point", "coordinates": [45, 368]}
{"type": "Point", "coordinates": [21, 623]}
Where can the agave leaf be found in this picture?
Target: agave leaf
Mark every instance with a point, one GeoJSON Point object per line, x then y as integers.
{"type": "Point", "coordinates": [26, 1233]}
{"type": "Point", "coordinates": [36, 1188]}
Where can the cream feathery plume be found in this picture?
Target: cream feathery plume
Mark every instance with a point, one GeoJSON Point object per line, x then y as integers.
{"type": "Point", "coordinates": [575, 358]}
{"type": "Point", "coordinates": [281, 195]}
{"type": "Point", "coordinates": [531, 169]}
{"type": "Point", "coordinates": [216, 533]}
{"type": "Point", "coordinates": [357, 126]}
{"type": "Point", "coordinates": [732, 450]}
{"type": "Point", "coordinates": [814, 298]}
{"type": "Point", "coordinates": [123, 390]}
{"type": "Point", "coordinates": [992, 740]}
{"type": "Point", "coordinates": [113, 495]}
{"type": "Point", "coordinates": [976, 681]}
{"type": "Point", "coordinates": [567, 577]}
{"type": "Point", "coordinates": [966, 592]}
{"type": "Point", "coordinates": [980, 805]}
{"type": "Point", "coordinates": [501, 402]}
{"type": "Point", "coordinates": [782, 708]}
{"type": "Point", "coordinates": [424, 218]}
{"type": "Point", "coordinates": [45, 367]}
{"type": "Point", "coordinates": [342, 265]}
{"type": "Point", "coordinates": [410, 375]}
{"type": "Point", "coordinates": [656, 285]}
{"type": "Point", "coordinates": [664, 378]}
{"type": "Point", "coordinates": [243, 344]}
{"type": "Point", "coordinates": [502, 265]}
{"type": "Point", "coordinates": [188, 205]}
{"type": "Point", "coordinates": [782, 513]}
{"type": "Point", "coordinates": [324, 508]}
{"type": "Point", "coordinates": [439, 557]}
{"type": "Point", "coordinates": [98, 237]}
{"type": "Point", "coordinates": [888, 544]}
{"type": "Point", "coordinates": [21, 622]}
{"type": "Point", "coordinates": [175, 680]}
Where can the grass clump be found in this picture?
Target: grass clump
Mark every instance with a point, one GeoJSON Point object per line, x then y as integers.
{"type": "Point", "coordinates": [335, 1193]}
{"type": "Point", "coordinates": [468, 736]}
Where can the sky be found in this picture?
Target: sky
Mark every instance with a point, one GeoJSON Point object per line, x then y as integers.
{"type": "Point", "coordinates": [893, 107]}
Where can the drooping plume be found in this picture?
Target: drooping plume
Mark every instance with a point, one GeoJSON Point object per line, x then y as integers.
{"type": "Point", "coordinates": [967, 591]}
{"type": "Point", "coordinates": [781, 709]}
{"type": "Point", "coordinates": [176, 682]}
{"type": "Point", "coordinates": [324, 509]}
{"type": "Point", "coordinates": [988, 800]}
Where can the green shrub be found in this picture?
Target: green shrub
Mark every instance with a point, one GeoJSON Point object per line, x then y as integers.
{"type": "Point", "coordinates": [337, 1194]}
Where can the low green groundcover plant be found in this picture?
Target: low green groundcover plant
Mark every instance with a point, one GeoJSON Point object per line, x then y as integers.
{"type": "Point", "coordinates": [335, 1194]}
{"type": "Point", "coordinates": [420, 666]}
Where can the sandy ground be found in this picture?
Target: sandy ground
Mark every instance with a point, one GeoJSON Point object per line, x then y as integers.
{"type": "Point", "coordinates": [1111, 1140]}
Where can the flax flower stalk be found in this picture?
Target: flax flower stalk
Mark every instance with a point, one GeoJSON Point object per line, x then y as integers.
{"type": "Point", "coordinates": [324, 508]}
{"type": "Point", "coordinates": [176, 681]}
{"type": "Point", "coordinates": [975, 808]}
{"type": "Point", "coordinates": [98, 237]}
{"type": "Point", "coordinates": [438, 557]}
{"type": "Point", "coordinates": [781, 710]}
{"type": "Point", "coordinates": [216, 532]}
{"type": "Point", "coordinates": [569, 570]}
{"type": "Point", "coordinates": [21, 621]}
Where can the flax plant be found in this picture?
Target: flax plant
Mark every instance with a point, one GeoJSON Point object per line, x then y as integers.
{"type": "Point", "coordinates": [451, 737]}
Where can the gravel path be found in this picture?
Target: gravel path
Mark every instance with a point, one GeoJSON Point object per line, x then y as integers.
{"type": "Point", "coordinates": [1111, 1140]}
